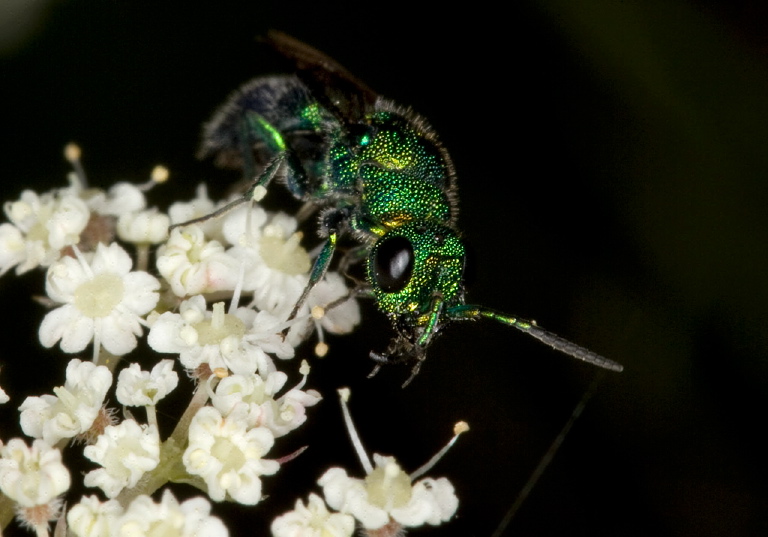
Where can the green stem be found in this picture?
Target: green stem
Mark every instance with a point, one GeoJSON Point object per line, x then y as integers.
{"type": "Point", "coordinates": [200, 397]}
{"type": "Point", "coordinates": [7, 511]}
{"type": "Point", "coordinates": [171, 467]}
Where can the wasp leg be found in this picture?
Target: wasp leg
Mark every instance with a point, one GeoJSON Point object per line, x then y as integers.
{"type": "Point", "coordinates": [332, 222]}
{"type": "Point", "coordinates": [331, 225]}
{"type": "Point", "coordinates": [318, 271]}
{"type": "Point", "coordinates": [361, 291]}
{"type": "Point", "coordinates": [352, 257]}
{"type": "Point", "coordinates": [254, 128]}
{"type": "Point", "coordinates": [305, 211]}
{"type": "Point", "coordinates": [400, 349]}
{"type": "Point", "coordinates": [386, 358]}
{"type": "Point", "coordinates": [255, 193]}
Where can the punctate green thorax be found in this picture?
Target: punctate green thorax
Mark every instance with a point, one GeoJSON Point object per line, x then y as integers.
{"type": "Point", "coordinates": [398, 173]}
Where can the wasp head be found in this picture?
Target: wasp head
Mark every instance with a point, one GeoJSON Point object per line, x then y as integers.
{"type": "Point", "coordinates": [416, 272]}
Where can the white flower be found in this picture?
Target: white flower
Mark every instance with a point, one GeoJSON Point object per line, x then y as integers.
{"type": "Point", "coordinates": [202, 205]}
{"type": "Point", "coordinates": [388, 492]}
{"type": "Point", "coordinates": [142, 388]}
{"type": "Point", "coordinates": [92, 518]}
{"type": "Point", "coordinates": [193, 265]}
{"type": "Point", "coordinates": [102, 299]}
{"type": "Point", "coordinates": [233, 224]}
{"type": "Point", "coordinates": [238, 341]}
{"type": "Point", "coordinates": [74, 407]}
{"type": "Point", "coordinates": [14, 250]}
{"type": "Point", "coordinates": [313, 520]}
{"type": "Point", "coordinates": [122, 198]}
{"type": "Point", "coordinates": [41, 226]}
{"type": "Point", "coordinates": [257, 396]}
{"type": "Point", "coordinates": [340, 319]}
{"type": "Point", "coordinates": [288, 411]}
{"type": "Point", "coordinates": [276, 265]}
{"type": "Point", "coordinates": [145, 518]}
{"type": "Point", "coordinates": [387, 496]}
{"type": "Point", "coordinates": [248, 391]}
{"type": "Point", "coordinates": [143, 227]}
{"type": "Point", "coordinates": [125, 452]}
{"type": "Point", "coordinates": [32, 476]}
{"type": "Point", "coordinates": [228, 456]}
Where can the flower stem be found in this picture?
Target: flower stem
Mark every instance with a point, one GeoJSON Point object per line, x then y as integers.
{"type": "Point", "coordinates": [142, 256]}
{"type": "Point", "coordinates": [151, 415]}
{"type": "Point", "coordinates": [171, 467]}
{"type": "Point", "coordinates": [198, 400]}
{"type": "Point", "coordinates": [6, 511]}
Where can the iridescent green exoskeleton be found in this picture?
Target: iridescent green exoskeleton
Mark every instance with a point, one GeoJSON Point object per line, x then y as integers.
{"type": "Point", "coordinates": [376, 171]}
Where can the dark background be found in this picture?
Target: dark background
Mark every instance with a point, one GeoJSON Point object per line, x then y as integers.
{"type": "Point", "coordinates": [612, 163]}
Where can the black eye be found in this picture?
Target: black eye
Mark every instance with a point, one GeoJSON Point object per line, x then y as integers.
{"type": "Point", "coordinates": [393, 264]}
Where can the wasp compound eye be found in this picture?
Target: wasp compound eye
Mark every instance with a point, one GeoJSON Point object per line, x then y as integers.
{"type": "Point", "coordinates": [393, 264]}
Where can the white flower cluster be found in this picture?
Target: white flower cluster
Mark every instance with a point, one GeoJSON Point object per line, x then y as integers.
{"type": "Point", "coordinates": [218, 298]}
{"type": "Point", "coordinates": [169, 518]}
{"type": "Point", "coordinates": [102, 300]}
{"type": "Point", "coordinates": [32, 476]}
{"type": "Point", "coordinates": [386, 498]}
{"type": "Point", "coordinates": [73, 409]}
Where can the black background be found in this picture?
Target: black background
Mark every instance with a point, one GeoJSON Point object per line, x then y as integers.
{"type": "Point", "coordinates": [613, 169]}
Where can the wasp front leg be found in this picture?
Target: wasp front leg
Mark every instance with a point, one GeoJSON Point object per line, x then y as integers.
{"type": "Point", "coordinates": [331, 224]}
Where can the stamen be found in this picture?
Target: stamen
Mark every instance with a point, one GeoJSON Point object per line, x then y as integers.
{"type": "Point", "coordinates": [72, 153]}
{"type": "Point", "coordinates": [258, 193]}
{"type": "Point", "coordinates": [459, 428]}
{"type": "Point", "coordinates": [210, 384]}
{"type": "Point", "coordinates": [353, 436]}
{"type": "Point", "coordinates": [304, 371]}
{"type": "Point", "coordinates": [83, 262]}
{"type": "Point", "coordinates": [285, 326]}
{"type": "Point", "coordinates": [321, 349]}
{"type": "Point", "coordinates": [159, 174]}
{"type": "Point", "coordinates": [96, 340]}
{"type": "Point", "coordinates": [249, 238]}
{"type": "Point", "coordinates": [217, 317]}
{"type": "Point", "coordinates": [237, 292]}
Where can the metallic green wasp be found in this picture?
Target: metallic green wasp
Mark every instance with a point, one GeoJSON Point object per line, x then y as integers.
{"type": "Point", "coordinates": [377, 172]}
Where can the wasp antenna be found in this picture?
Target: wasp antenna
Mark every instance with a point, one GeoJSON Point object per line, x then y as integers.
{"type": "Point", "coordinates": [532, 329]}
{"type": "Point", "coordinates": [568, 347]}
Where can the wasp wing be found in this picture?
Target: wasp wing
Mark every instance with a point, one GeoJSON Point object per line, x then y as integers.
{"type": "Point", "coordinates": [340, 92]}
